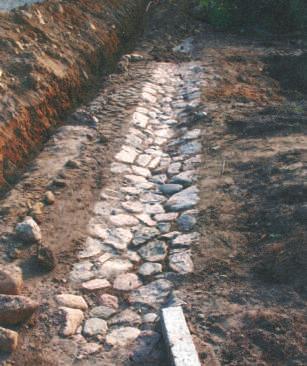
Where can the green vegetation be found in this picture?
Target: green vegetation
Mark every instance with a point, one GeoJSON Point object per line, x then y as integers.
{"type": "Point", "coordinates": [276, 15]}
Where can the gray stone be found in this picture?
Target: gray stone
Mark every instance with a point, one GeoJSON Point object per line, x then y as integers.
{"type": "Point", "coordinates": [186, 222]}
{"type": "Point", "coordinates": [121, 337]}
{"type": "Point", "coordinates": [154, 251]}
{"type": "Point", "coordinates": [82, 272]}
{"type": "Point", "coordinates": [164, 227]}
{"type": "Point", "coordinates": [184, 200]}
{"type": "Point", "coordinates": [190, 148]}
{"type": "Point", "coordinates": [8, 340]}
{"type": "Point", "coordinates": [73, 318]}
{"type": "Point", "coordinates": [144, 234]}
{"type": "Point", "coordinates": [185, 178]}
{"type": "Point", "coordinates": [28, 230]}
{"type": "Point", "coordinates": [174, 168]}
{"type": "Point", "coordinates": [113, 267]}
{"type": "Point", "coordinates": [11, 281]}
{"type": "Point", "coordinates": [191, 135]}
{"type": "Point", "coordinates": [153, 208]}
{"type": "Point", "coordinates": [192, 163]}
{"type": "Point", "coordinates": [159, 179]}
{"type": "Point", "coordinates": [103, 312]}
{"type": "Point", "coordinates": [150, 269]}
{"type": "Point", "coordinates": [126, 317]}
{"type": "Point", "coordinates": [126, 282]}
{"type": "Point", "coordinates": [169, 189]}
{"type": "Point", "coordinates": [92, 248]}
{"type": "Point", "coordinates": [71, 301]}
{"type": "Point", "coordinates": [118, 238]}
{"type": "Point", "coordinates": [185, 240]}
{"type": "Point", "coordinates": [95, 327]}
{"type": "Point", "coordinates": [15, 309]}
{"type": "Point", "coordinates": [181, 262]}
{"type": "Point", "coordinates": [154, 294]}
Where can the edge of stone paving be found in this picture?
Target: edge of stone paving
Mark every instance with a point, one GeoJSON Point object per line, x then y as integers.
{"type": "Point", "coordinates": [178, 339]}
{"type": "Point", "coordinates": [50, 56]}
{"type": "Point", "coordinates": [97, 267]}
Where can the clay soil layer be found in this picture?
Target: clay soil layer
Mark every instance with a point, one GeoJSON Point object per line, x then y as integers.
{"type": "Point", "coordinates": [50, 53]}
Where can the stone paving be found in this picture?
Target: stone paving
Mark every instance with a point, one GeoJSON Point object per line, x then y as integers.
{"type": "Point", "coordinates": [143, 226]}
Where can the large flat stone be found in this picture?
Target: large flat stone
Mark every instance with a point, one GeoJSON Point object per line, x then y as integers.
{"type": "Point", "coordinates": [113, 267]}
{"type": "Point", "coordinates": [184, 200]}
{"type": "Point", "coordinates": [94, 327]}
{"type": "Point", "coordinates": [126, 155]}
{"type": "Point", "coordinates": [123, 220]}
{"type": "Point", "coordinates": [121, 337]}
{"type": "Point", "coordinates": [126, 282]}
{"type": "Point", "coordinates": [154, 294]}
{"type": "Point", "coordinates": [154, 251]}
{"type": "Point", "coordinates": [73, 318]}
{"type": "Point", "coordinates": [144, 234]}
{"type": "Point", "coordinates": [181, 262]}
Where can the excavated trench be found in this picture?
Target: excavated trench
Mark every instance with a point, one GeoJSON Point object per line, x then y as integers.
{"type": "Point", "coordinates": [51, 55]}
{"type": "Point", "coordinates": [134, 132]}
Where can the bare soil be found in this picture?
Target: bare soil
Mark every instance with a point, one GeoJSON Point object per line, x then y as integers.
{"type": "Point", "coordinates": [246, 301]}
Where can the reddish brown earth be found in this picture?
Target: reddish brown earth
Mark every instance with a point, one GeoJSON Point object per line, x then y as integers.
{"type": "Point", "coordinates": [50, 56]}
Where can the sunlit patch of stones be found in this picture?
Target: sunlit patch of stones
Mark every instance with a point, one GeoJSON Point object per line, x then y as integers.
{"type": "Point", "coordinates": [143, 226]}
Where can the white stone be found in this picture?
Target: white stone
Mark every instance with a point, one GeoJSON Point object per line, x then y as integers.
{"type": "Point", "coordinates": [94, 327]}
{"type": "Point", "coordinates": [73, 319]}
{"type": "Point", "coordinates": [123, 220]}
{"type": "Point", "coordinates": [28, 230]}
{"type": "Point", "coordinates": [71, 301]}
{"type": "Point", "coordinates": [126, 155]}
{"type": "Point", "coordinates": [126, 282]}
{"type": "Point", "coordinates": [96, 284]}
{"type": "Point", "coordinates": [144, 172]}
{"type": "Point", "coordinates": [133, 206]}
{"type": "Point", "coordinates": [121, 337]}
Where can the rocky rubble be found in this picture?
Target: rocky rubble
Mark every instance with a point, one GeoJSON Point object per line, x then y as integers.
{"type": "Point", "coordinates": [14, 308]}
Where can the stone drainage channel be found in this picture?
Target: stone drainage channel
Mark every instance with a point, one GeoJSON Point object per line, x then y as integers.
{"type": "Point", "coordinates": [143, 226]}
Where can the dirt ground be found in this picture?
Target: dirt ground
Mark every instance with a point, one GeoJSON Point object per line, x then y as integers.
{"type": "Point", "coordinates": [246, 301]}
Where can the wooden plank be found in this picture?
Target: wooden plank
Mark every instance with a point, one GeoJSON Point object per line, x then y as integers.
{"type": "Point", "coordinates": [177, 336]}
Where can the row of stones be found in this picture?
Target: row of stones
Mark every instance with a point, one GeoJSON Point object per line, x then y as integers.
{"type": "Point", "coordinates": [142, 228]}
